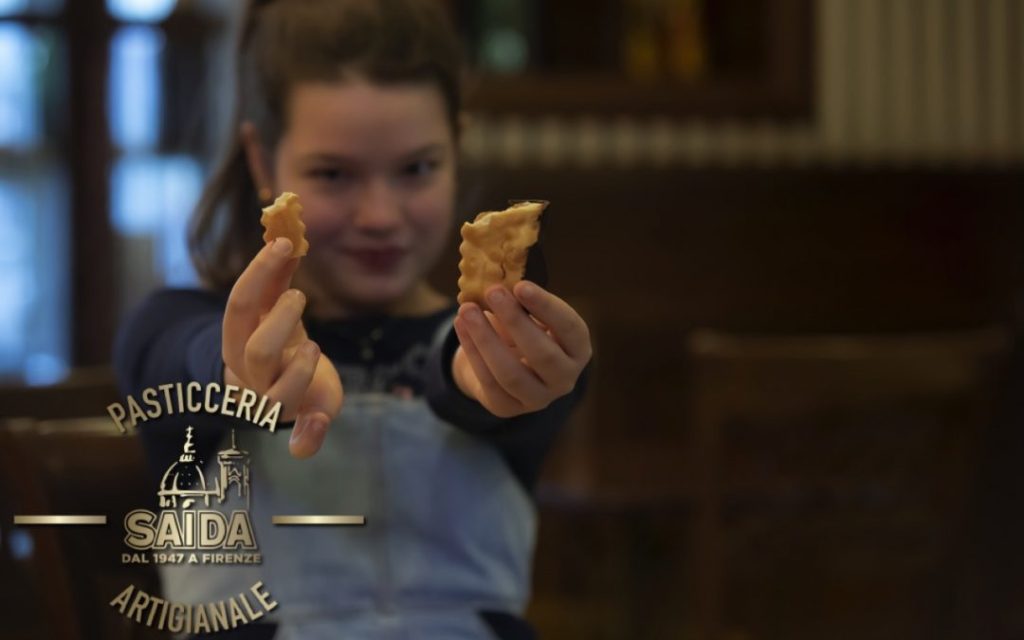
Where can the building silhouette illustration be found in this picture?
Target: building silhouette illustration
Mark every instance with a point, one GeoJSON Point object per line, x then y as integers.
{"type": "Point", "coordinates": [184, 482]}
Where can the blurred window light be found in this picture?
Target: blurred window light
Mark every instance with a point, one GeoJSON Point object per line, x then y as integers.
{"type": "Point", "coordinates": [19, 108]}
{"type": "Point", "coordinates": [37, 7]}
{"type": "Point", "coordinates": [140, 10]}
{"type": "Point", "coordinates": [34, 341]}
{"type": "Point", "coordinates": [21, 544]}
{"type": "Point", "coordinates": [11, 7]}
{"type": "Point", "coordinates": [154, 196]}
{"type": "Point", "coordinates": [45, 369]}
{"type": "Point", "coordinates": [15, 277]}
{"type": "Point", "coordinates": [134, 93]}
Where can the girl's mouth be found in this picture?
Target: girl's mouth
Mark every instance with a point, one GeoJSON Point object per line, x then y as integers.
{"type": "Point", "coordinates": [380, 260]}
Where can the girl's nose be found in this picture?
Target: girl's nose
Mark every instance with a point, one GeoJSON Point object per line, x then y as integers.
{"type": "Point", "coordinates": [378, 208]}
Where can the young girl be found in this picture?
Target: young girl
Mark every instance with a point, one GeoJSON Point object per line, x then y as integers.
{"type": "Point", "coordinates": [446, 413]}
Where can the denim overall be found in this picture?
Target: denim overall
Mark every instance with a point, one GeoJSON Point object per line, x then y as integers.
{"type": "Point", "coordinates": [449, 530]}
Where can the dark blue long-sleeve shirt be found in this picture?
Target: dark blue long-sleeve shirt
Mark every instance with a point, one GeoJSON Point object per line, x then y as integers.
{"type": "Point", "coordinates": [175, 335]}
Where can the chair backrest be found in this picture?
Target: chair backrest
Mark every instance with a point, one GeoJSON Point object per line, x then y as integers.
{"type": "Point", "coordinates": [81, 466]}
{"type": "Point", "coordinates": [86, 392]}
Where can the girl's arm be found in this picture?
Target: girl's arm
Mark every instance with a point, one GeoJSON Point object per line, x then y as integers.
{"type": "Point", "coordinates": [173, 336]}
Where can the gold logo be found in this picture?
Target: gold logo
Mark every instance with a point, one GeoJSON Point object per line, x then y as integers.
{"type": "Point", "coordinates": [183, 534]}
{"type": "Point", "coordinates": [203, 515]}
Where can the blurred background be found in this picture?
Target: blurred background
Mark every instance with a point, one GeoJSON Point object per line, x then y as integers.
{"type": "Point", "coordinates": [794, 226]}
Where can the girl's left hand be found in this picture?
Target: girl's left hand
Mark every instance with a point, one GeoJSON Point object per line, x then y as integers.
{"type": "Point", "coordinates": [526, 354]}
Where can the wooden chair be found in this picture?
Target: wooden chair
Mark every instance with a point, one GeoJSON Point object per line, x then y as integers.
{"type": "Point", "coordinates": [85, 392]}
{"type": "Point", "coordinates": [831, 474]}
{"type": "Point", "coordinates": [67, 575]}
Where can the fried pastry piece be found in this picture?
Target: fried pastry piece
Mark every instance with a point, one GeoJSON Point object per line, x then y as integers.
{"type": "Point", "coordinates": [494, 249]}
{"type": "Point", "coordinates": [284, 219]}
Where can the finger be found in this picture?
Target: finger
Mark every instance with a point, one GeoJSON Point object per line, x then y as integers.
{"type": "Point", "coordinates": [500, 329]}
{"type": "Point", "coordinates": [323, 402]}
{"type": "Point", "coordinates": [264, 351]}
{"type": "Point", "coordinates": [308, 434]}
{"type": "Point", "coordinates": [488, 385]}
{"type": "Point", "coordinates": [565, 325]}
{"type": "Point", "coordinates": [514, 377]}
{"type": "Point", "coordinates": [542, 353]}
{"type": "Point", "coordinates": [290, 387]}
{"type": "Point", "coordinates": [279, 282]}
{"type": "Point", "coordinates": [247, 300]}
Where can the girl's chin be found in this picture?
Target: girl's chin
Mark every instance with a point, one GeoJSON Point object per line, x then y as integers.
{"type": "Point", "coordinates": [375, 292]}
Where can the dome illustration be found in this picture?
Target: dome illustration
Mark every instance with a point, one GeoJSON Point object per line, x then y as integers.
{"type": "Point", "coordinates": [184, 479]}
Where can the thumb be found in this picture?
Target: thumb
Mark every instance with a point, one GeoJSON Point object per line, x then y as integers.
{"type": "Point", "coordinates": [321, 404]}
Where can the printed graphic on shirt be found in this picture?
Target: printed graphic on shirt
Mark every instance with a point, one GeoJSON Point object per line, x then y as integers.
{"type": "Point", "coordinates": [406, 373]}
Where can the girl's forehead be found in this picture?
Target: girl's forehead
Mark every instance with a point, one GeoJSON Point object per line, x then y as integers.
{"type": "Point", "coordinates": [361, 115]}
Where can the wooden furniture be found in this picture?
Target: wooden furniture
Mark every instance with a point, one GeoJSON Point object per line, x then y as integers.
{"type": "Point", "coordinates": [832, 476]}
{"type": "Point", "coordinates": [685, 58]}
{"type": "Point", "coordinates": [57, 581]}
{"type": "Point", "coordinates": [85, 392]}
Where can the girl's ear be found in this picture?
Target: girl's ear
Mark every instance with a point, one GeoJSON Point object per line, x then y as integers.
{"type": "Point", "coordinates": [258, 161]}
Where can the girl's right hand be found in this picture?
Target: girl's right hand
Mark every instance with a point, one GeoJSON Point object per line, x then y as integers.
{"type": "Point", "coordinates": [266, 349]}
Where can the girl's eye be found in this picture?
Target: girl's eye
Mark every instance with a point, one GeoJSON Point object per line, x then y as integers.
{"type": "Point", "coordinates": [420, 168]}
{"type": "Point", "coordinates": [327, 174]}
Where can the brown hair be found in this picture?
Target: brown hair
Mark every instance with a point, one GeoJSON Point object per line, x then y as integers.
{"type": "Point", "coordinates": [286, 42]}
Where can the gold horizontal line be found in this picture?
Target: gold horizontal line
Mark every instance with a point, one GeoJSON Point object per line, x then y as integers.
{"type": "Point", "coordinates": [61, 519]}
{"type": "Point", "coordinates": [319, 520]}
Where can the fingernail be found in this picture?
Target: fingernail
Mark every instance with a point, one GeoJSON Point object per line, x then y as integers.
{"type": "Point", "coordinates": [474, 316]}
{"type": "Point", "coordinates": [526, 289]}
{"type": "Point", "coordinates": [299, 429]}
{"type": "Point", "coordinates": [496, 296]}
{"type": "Point", "coordinates": [314, 433]}
{"type": "Point", "coordinates": [281, 247]}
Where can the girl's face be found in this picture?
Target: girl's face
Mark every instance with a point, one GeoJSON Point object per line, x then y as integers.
{"type": "Point", "coordinates": [374, 167]}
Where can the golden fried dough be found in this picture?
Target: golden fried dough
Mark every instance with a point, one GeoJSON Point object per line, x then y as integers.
{"type": "Point", "coordinates": [284, 219]}
{"type": "Point", "coordinates": [494, 249]}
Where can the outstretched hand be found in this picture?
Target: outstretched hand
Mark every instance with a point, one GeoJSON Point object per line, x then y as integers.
{"type": "Point", "coordinates": [266, 349]}
{"type": "Point", "coordinates": [526, 354]}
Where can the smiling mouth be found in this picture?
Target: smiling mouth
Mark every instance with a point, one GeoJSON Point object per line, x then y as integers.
{"type": "Point", "coordinates": [377, 260]}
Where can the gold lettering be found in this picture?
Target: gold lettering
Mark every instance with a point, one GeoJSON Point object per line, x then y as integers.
{"type": "Point", "coordinates": [139, 525]}
{"type": "Point", "coordinates": [149, 398]}
{"type": "Point", "coordinates": [166, 388]}
{"type": "Point", "coordinates": [202, 624]}
{"type": "Point", "coordinates": [211, 389]}
{"type": "Point", "coordinates": [211, 529]}
{"type": "Point", "coordinates": [163, 616]}
{"type": "Point", "coordinates": [229, 399]}
{"type": "Point", "coordinates": [157, 602]}
{"type": "Point", "coordinates": [168, 532]}
{"type": "Point", "coordinates": [245, 404]}
{"type": "Point", "coordinates": [218, 616]}
{"type": "Point", "coordinates": [135, 412]}
{"type": "Point", "coordinates": [138, 605]}
{"type": "Point", "coordinates": [270, 420]}
{"type": "Point", "coordinates": [259, 409]}
{"type": "Point", "coordinates": [240, 532]}
{"type": "Point", "coordinates": [121, 601]}
{"type": "Point", "coordinates": [263, 596]}
{"type": "Point", "coordinates": [117, 414]}
{"type": "Point", "coordinates": [237, 617]}
{"type": "Point", "coordinates": [253, 615]}
{"type": "Point", "coordinates": [193, 407]}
